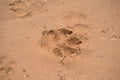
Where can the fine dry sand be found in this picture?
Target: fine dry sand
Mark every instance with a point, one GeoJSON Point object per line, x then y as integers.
{"type": "Point", "coordinates": [59, 39]}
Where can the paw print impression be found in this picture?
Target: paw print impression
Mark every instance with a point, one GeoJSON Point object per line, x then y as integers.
{"type": "Point", "coordinates": [62, 42]}
{"type": "Point", "coordinates": [27, 8]}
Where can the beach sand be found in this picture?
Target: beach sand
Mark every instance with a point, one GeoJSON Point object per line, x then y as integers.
{"type": "Point", "coordinates": [31, 29]}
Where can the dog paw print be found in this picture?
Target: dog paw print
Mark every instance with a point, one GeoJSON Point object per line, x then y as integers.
{"type": "Point", "coordinates": [6, 68]}
{"type": "Point", "coordinates": [61, 42]}
{"type": "Point", "coordinates": [25, 8]}
{"type": "Point", "coordinates": [19, 8]}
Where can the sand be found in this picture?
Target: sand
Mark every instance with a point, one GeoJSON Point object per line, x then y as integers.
{"type": "Point", "coordinates": [32, 43]}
